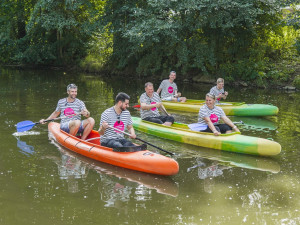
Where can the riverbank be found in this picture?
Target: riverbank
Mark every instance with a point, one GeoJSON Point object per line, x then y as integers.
{"type": "Point", "coordinates": [285, 75]}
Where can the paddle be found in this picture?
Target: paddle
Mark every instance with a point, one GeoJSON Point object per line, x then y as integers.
{"type": "Point", "coordinates": [198, 126]}
{"type": "Point", "coordinates": [171, 153]}
{"type": "Point", "coordinates": [28, 125]}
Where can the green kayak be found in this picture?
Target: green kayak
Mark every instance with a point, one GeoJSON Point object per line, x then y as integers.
{"type": "Point", "coordinates": [233, 142]}
{"type": "Point", "coordinates": [230, 108]}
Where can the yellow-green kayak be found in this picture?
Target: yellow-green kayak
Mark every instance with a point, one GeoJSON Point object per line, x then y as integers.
{"type": "Point", "coordinates": [230, 108]}
{"type": "Point", "coordinates": [233, 142]}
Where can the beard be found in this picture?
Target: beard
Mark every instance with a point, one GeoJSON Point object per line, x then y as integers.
{"type": "Point", "coordinates": [72, 96]}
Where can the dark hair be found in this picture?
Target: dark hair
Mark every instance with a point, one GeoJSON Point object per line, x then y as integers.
{"type": "Point", "coordinates": [121, 96]}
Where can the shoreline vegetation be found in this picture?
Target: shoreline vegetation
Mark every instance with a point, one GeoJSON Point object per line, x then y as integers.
{"type": "Point", "coordinates": [249, 44]}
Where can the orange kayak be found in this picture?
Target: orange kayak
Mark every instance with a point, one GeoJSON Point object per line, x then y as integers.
{"type": "Point", "coordinates": [144, 161]}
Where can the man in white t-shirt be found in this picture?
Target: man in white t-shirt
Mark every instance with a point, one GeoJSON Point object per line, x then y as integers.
{"type": "Point", "coordinates": [116, 117]}
{"type": "Point", "coordinates": [73, 124]}
{"type": "Point", "coordinates": [168, 89]}
{"type": "Point", "coordinates": [150, 103]}
{"type": "Point", "coordinates": [218, 90]}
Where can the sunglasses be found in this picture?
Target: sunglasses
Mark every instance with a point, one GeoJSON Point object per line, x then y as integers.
{"type": "Point", "coordinates": [71, 86]}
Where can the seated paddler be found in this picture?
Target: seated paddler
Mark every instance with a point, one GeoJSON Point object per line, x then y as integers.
{"type": "Point", "coordinates": [209, 117]}
{"type": "Point", "coordinates": [72, 123]}
{"type": "Point", "coordinates": [150, 103]}
{"type": "Point", "coordinates": [113, 122]}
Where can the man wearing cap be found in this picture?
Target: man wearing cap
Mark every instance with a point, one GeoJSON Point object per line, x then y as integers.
{"type": "Point", "coordinates": [168, 89]}
{"type": "Point", "coordinates": [73, 124]}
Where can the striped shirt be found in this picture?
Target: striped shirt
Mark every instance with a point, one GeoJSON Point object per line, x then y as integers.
{"type": "Point", "coordinates": [167, 89]}
{"type": "Point", "coordinates": [215, 91]}
{"type": "Point", "coordinates": [119, 121]}
{"type": "Point", "coordinates": [146, 99]}
{"type": "Point", "coordinates": [214, 114]}
{"type": "Point", "coordinates": [77, 105]}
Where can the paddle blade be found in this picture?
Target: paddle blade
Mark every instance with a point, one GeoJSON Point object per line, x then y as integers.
{"type": "Point", "coordinates": [24, 125]}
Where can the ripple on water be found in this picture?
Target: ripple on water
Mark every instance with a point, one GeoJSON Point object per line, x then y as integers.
{"type": "Point", "coordinates": [18, 134]}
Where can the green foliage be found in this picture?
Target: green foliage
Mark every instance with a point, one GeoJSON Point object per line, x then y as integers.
{"type": "Point", "coordinates": [53, 32]}
{"type": "Point", "coordinates": [296, 82]}
{"type": "Point", "coordinates": [225, 37]}
{"type": "Point", "coordinates": [99, 51]}
{"type": "Point", "coordinates": [235, 39]}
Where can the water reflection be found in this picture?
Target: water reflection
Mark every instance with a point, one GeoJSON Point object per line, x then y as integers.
{"type": "Point", "coordinates": [26, 149]}
{"type": "Point", "coordinates": [251, 190]}
{"type": "Point", "coordinates": [114, 181]}
{"type": "Point", "coordinates": [112, 192]}
{"type": "Point", "coordinates": [256, 123]}
{"type": "Point", "coordinates": [230, 159]}
{"type": "Point", "coordinates": [213, 169]}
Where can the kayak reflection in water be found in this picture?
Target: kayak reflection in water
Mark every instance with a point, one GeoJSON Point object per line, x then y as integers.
{"type": "Point", "coordinates": [113, 193]}
{"type": "Point", "coordinates": [207, 173]}
{"type": "Point", "coordinates": [210, 115]}
{"type": "Point", "coordinates": [214, 170]}
{"type": "Point", "coordinates": [70, 169]}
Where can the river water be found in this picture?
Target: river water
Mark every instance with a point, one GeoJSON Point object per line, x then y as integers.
{"type": "Point", "coordinates": [43, 183]}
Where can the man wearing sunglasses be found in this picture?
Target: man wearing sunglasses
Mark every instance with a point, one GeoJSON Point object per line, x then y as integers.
{"type": "Point", "coordinates": [117, 117]}
{"type": "Point", "coordinates": [73, 124]}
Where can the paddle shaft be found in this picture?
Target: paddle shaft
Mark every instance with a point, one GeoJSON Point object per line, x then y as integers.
{"type": "Point", "coordinates": [164, 110]}
{"type": "Point", "coordinates": [171, 153]}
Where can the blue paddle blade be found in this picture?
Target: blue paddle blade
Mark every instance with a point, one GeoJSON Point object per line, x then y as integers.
{"type": "Point", "coordinates": [25, 125]}
{"type": "Point", "coordinates": [197, 126]}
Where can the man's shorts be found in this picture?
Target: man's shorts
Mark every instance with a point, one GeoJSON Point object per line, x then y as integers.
{"type": "Point", "coordinates": [65, 127]}
{"type": "Point", "coordinates": [170, 98]}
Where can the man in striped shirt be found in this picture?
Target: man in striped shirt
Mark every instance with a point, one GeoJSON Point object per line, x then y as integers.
{"type": "Point", "coordinates": [73, 124]}
{"type": "Point", "coordinates": [169, 89]}
{"type": "Point", "coordinates": [150, 102]}
{"type": "Point", "coordinates": [218, 90]}
{"type": "Point", "coordinates": [117, 117]}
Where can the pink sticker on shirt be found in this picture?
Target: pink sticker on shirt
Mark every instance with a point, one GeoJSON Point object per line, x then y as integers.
{"type": "Point", "coordinates": [119, 125]}
{"type": "Point", "coordinates": [170, 90]}
{"type": "Point", "coordinates": [214, 118]}
{"type": "Point", "coordinates": [154, 108]}
{"type": "Point", "coordinates": [69, 111]}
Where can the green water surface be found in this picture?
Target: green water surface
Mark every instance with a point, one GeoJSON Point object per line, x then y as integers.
{"type": "Point", "coordinates": [42, 183]}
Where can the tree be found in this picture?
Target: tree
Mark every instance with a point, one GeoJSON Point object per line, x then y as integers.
{"type": "Point", "coordinates": [57, 31]}
{"type": "Point", "coordinates": [191, 36]}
